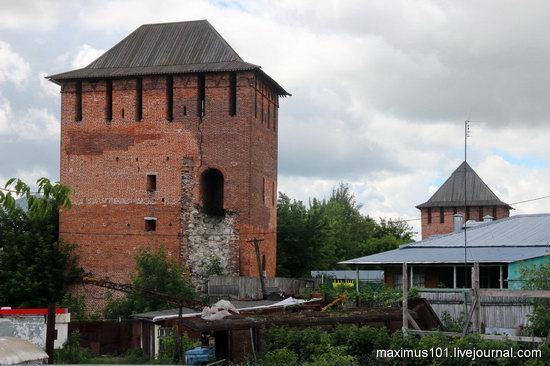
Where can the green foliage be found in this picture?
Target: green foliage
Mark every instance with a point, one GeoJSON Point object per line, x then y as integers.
{"type": "Point", "coordinates": [328, 231]}
{"type": "Point", "coordinates": [357, 345]}
{"type": "Point", "coordinates": [451, 324]}
{"type": "Point", "coordinates": [214, 266]}
{"type": "Point", "coordinates": [36, 268]}
{"type": "Point", "coordinates": [361, 342]}
{"type": "Point", "coordinates": [332, 356]}
{"type": "Point", "coordinates": [43, 203]}
{"type": "Point", "coordinates": [71, 353]}
{"type": "Point", "coordinates": [536, 277]}
{"type": "Point", "coordinates": [155, 271]}
{"type": "Point", "coordinates": [280, 357]}
{"type": "Point", "coordinates": [167, 352]}
{"type": "Point", "coordinates": [75, 304]}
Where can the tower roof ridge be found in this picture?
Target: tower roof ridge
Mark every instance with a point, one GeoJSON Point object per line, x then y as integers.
{"type": "Point", "coordinates": [167, 48]}
{"type": "Point", "coordinates": [452, 193]}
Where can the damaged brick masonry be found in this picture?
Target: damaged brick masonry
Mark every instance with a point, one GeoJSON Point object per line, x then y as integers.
{"type": "Point", "coordinates": [169, 138]}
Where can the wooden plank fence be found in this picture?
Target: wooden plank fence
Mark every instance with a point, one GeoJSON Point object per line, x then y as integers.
{"type": "Point", "coordinates": [237, 288]}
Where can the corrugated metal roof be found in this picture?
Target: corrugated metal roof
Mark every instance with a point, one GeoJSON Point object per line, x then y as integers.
{"type": "Point", "coordinates": [351, 275]}
{"type": "Point", "coordinates": [507, 240]}
{"type": "Point", "coordinates": [14, 350]}
{"type": "Point", "coordinates": [452, 255]}
{"type": "Point", "coordinates": [167, 48]}
{"type": "Point", "coordinates": [451, 193]}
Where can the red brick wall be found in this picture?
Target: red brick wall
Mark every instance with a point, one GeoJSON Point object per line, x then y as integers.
{"type": "Point", "coordinates": [106, 164]}
{"type": "Point", "coordinates": [436, 227]}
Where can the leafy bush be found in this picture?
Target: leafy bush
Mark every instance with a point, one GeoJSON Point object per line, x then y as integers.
{"type": "Point", "coordinates": [361, 342]}
{"type": "Point", "coordinates": [71, 353]}
{"type": "Point", "coordinates": [155, 271]}
{"type": "Point", "coordinates": [280, 357]}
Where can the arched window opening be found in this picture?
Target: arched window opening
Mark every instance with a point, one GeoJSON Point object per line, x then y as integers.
{"type": "Point", "coordinates": [212, 192]}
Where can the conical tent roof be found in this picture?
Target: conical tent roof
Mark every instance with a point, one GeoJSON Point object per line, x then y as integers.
{"type": "Point", "coordinates": [452, 192]}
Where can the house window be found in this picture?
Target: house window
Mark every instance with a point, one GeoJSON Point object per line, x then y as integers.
{"type": "Point", "coordinates": [480, 214]}
{"type": "Point", "coordinates": [139, 99]}
{"type": "Point", "coordinates": [494, 213]}
{"type": "Point", "coordinates": [201, 100]}
{"type": "Point", "coordinates": [150, 224]}
{"type": "Point", "coordinates": [441, 215]}
{"type": "Point", "coordinates": [169, 98]}
{"type": "Point", "coordinates": [78, 102]}
{"type": "Point", "coordinates": [429, 215]}
{"type": "Point", "coordinates": [151, 182]}
{"type": "Point", "coordinates": [212, 192]}
{"type": "Point", "coordinates": [109, 101]}
{"type": "Point", "coordinates": [233, 94]}
{"type": "Point", "coordinates": [467, 213]}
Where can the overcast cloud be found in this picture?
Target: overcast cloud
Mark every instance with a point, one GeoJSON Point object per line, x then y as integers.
{"type": "Point", "coordinates": [380, 89]}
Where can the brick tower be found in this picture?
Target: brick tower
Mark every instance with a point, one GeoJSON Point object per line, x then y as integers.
{"type": "Point", "coordinates": [437, 213]}
{"type": "Point", "coordinates": [170, 138]}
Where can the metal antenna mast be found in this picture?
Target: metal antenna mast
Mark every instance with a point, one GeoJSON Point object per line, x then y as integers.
{"type": "Point", "coordinates": [466, 135]}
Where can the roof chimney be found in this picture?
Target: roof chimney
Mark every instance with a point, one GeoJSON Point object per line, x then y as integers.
{"type": "Point", "coordinates": [457, 220]}
{"type": "Point", "coordinates": [487, 218]}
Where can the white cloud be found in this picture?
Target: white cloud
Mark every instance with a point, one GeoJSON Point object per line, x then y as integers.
{"type": "Point", "coordinates": [31, 15]}
{"type": "Point", "coordinates": [33, 124]}
{"type": "Point", "coordinates": [13, 67]}
{"type": "Point", "coordinates": [48, 88]}
{"type": "Point", "coordinates": [85, 55]}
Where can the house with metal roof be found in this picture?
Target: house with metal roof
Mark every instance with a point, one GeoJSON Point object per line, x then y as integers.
{"type": "Point", "coordinates": [501, 247]}
{"type": "Point", "coordinates": [463, 192]}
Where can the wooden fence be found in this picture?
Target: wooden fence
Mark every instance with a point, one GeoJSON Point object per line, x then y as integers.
{"type": "Point", "coordinates": [237, 288]}
{"type": "Point", "coordinates": [496, 311]}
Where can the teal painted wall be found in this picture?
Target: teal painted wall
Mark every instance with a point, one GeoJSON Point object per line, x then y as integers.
{"type": "Point", "coordinates": [514, 270]}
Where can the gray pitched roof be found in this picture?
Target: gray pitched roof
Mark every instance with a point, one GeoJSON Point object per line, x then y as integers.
{"type": "Point", "coordinates": [502, 241]}
{"type": "Point", "coordinates": [451, 193]}
{"type": "Point", "coordinates": [167, 48]}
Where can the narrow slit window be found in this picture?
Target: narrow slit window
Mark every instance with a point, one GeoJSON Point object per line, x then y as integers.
{"type": "Point", "coordinates": [263, 262]}
{"type": "Point", "coordinates": [263, 190]}
{"type": "Point", "coordinates": [255, 99]}
{"type": "Point", "coordinates": [268, 114]}
{"type": "Point", "coordinates": [494, 213]}
{"type": "Point", "coordinates": [201, 100]}
{"type": "Point", "coordinates": [262, 110]}
{"type": "Point", "coordinates": [274, 117]}
{"type": "Point", "coordinates": [467, 213]}
{"type": "Point", "coordinates": [233, 94]}
{"type": "Point", "coordinates": [78, 101]}
{"type": "Point", "coordinates": [151, 182]}
{"type": "Point", "coordinates": [150, 224]}
{"type": "Point", "coordinates": [109, 101]}
{"type": "Point", "coordinates": [274, 195]}
{"type": "Point", "coordinates": [429, 215]}
{"type": "Point", "coordinates": [169, 98]}
{"type": "Point", "coordinates": [441, 215]}
{"type": "Point", "coordinates": [480, 213]}
{"type": "Point", "coordinates": [139, 99]}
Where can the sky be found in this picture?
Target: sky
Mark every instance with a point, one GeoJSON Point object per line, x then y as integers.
{"type": "Point", "coordinates": [380, 89]}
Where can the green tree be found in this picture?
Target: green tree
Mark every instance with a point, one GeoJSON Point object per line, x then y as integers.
{"type": "Point", "coordinates": [36, 268]}
{"type": "Point", "coordinates": [318, 236]}
{"type": "Point", "coordinates": [154, 271]}
{"type": "Point", "coordinates": [536, 277]}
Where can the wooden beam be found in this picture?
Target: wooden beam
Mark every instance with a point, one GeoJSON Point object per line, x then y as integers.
{"type": "Point", "coordinates": [477, 301]}
{"type": "Point", "coordinates": [413, 322]}
{"type": "Point", "coordinates": [405, 303]}
{"type": "Point", "coordinates": [515, 293]}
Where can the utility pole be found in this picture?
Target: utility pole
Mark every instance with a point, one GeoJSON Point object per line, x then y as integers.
{"type": "Point", "coordinates": [256, 242]}
{"type": "Point", "coordinates": [50, 332]}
